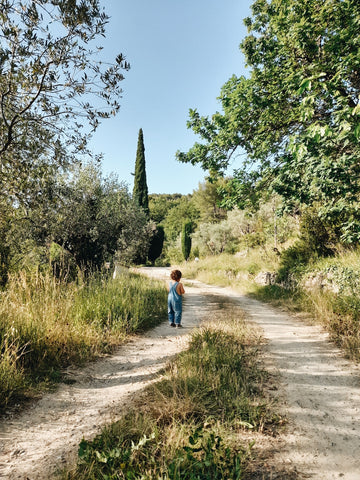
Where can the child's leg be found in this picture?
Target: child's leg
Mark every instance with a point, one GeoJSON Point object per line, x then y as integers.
{"type": "Point", "coordinates": [178, 317]}
{"type": "Point", "coordinates": [171, 314]}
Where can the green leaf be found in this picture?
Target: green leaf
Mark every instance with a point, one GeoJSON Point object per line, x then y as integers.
{"type": "Point", "coordinates": [101, 458]}
{"type": "Point", "coordinates": [83, 448]}
{"type": "Point", "coordinates": [357, 131]}
{"type": "Point", "coordinates": [305, 85]}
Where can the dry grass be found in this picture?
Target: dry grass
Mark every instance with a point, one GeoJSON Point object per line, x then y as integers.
{"type": "Point", "coordinates": [237, 270]}
{"type": "Point", "coordinates": [46, 324]}
{"type": "Point", "coordinates": [338, 310]}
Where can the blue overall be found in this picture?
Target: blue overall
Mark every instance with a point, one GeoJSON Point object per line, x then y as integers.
{"type": "Point", "coordinates": [174, 305]}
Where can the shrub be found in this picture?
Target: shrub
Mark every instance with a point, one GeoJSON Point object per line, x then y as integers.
{"type": "Point", "coordinates": [294, 259]}
{"type": "Point", "coordinates": [156, 244]}
{"type": "Point", "coordinates": [316, 234]}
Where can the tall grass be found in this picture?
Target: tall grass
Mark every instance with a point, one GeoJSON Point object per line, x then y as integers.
{"type": "Point", "coordinates": [232, 270]}
{"type": "Point", "coordinates": [189, 425]}
{"type": "Point", "coordinates": [333, 302]}
{"type": "Point", "coordinates": [46, 324]}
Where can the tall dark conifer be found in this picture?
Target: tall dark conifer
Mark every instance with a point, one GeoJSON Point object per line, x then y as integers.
{"type": "Point", "coordinates": [140, 192]}
{"type": "Point", "coordinates": [186, 239]}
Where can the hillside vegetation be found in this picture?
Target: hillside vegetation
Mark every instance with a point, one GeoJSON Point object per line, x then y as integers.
{"type": "Point", "coordinates": [290, 132]}
{"type": "Point", "coordinates": [326, 288]}
{"type": "Point", "coordinates": [293, 258]}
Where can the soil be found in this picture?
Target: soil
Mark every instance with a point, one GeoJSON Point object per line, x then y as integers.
{"type": "Point", "coordinates": [317, 389]}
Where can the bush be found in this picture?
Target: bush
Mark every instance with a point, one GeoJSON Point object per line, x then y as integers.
{"type": "Point", "coordinates": [294, 259]}
{"type": "Point", "coordinates": [156, 244]}
{"type": "Point", "coordinates": [316, 234]}
{"type": "Point", "coordinates": [62, 262]}
{"type": "Point", "coordinates": [317, 239]}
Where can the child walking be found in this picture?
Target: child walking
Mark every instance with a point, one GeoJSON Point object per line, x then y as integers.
{"type": "Point", "coordinates": [176, 290]}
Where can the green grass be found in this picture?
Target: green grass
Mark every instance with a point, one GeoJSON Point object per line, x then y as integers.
{"type": "Point", "coordinates": [45, 324]}
{"type": "Point", "coordinates": [335, 303]}
{"type": "Point", "coordinates": [191, 423]}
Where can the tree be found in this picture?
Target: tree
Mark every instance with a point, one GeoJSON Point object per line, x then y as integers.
{"type": "Point", "coordinates": [186, 239]}
{"type": "Point", "coordinates": [213, 238]}
{"type": "Point", "coordinates": [134, 240]}
{"type": "Point", "coordinates": [161, 203]}
{"type": "Point", "coordinates": [207, 199]}
{"type": "Point", "coordinates": [297, 116]}
{"type": "Point", "coordinates": [5, 213]}
{"type": "Point", "coordinates": [140, 192]}
{"type": "Point", "coordinates": [183, 212]}
{"type": "Point", "coordinates": [98, 219]}
{"type": "Point", "coordinates": [49, 78]}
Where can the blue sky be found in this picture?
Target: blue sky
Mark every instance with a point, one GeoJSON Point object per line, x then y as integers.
{"type": "Point", "coordinates": [181, 52]}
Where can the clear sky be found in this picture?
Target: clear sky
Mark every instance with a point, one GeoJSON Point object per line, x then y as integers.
{"type": "Point", "coordinates": [181, 53]}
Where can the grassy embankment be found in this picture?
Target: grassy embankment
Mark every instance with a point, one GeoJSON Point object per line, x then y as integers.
{"type": "Point", "coordinates": [327, 288]}
{"type": "Point", "coordinates": [199, 421]}
{"type": "Point", "coordinates": [46, 325]}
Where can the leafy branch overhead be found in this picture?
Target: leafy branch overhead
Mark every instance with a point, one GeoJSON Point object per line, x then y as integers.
{"type": "Point", "coordinates": [294, 124]}
{"type": "Point", "coordinates": [54, 90]}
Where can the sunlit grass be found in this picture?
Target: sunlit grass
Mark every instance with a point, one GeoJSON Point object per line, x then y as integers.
{"type": "Point", "coordinates": [335, 303]}
{"type": "Point", "coordinates": [232, 270]}
{"type": "Point", "coordinates": [46, 324]}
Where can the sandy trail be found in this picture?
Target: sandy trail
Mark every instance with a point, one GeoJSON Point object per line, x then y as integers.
{"type": "Point", "coordinates": [320, 392]}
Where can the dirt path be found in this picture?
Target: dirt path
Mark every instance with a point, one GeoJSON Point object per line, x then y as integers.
{"type": "Point", "coordinates": [320, 389]}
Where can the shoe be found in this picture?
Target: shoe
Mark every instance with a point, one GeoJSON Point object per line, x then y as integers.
{"type": "Point", "coordinates": [172, 324]}
{"type": "Point", "coordinates": [178, 325]}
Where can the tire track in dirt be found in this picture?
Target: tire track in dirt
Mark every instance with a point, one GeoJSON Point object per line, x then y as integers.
{"type": "Point", "coordinates": [319, 392]}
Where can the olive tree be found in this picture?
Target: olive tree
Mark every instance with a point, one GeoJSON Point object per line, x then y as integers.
{"type": "Point", "coordinates": [54, 87]}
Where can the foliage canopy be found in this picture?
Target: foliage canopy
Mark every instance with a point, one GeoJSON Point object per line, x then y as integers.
{"type": "Point", "coordinates": [53, 89]}
{"type": "Point", "coordinates": [297, 116]}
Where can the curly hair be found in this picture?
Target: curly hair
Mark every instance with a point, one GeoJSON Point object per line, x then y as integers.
{"type": "Point", "coordinates": [175, 275]}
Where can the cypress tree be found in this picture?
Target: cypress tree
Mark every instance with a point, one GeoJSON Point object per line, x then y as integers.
{"type": "Point", "coordinates": [186, 239]}
{"type": "Point", "coordinates": [140, 192]}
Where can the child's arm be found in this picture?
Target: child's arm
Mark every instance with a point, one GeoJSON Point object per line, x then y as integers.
{"type": "Point", "coordinates": [180, 289]}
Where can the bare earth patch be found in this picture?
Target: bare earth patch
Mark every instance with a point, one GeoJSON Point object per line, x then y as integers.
{"type": "Point", "coordinates": [318, 389]}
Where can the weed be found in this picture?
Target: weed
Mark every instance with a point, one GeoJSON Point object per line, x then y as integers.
{"type": "Point", "coordinates": [11, 377]}
{"type": "Point", "coordinates": [206, 457]}
{"type": "Point", "coordinates": [333, 301]}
